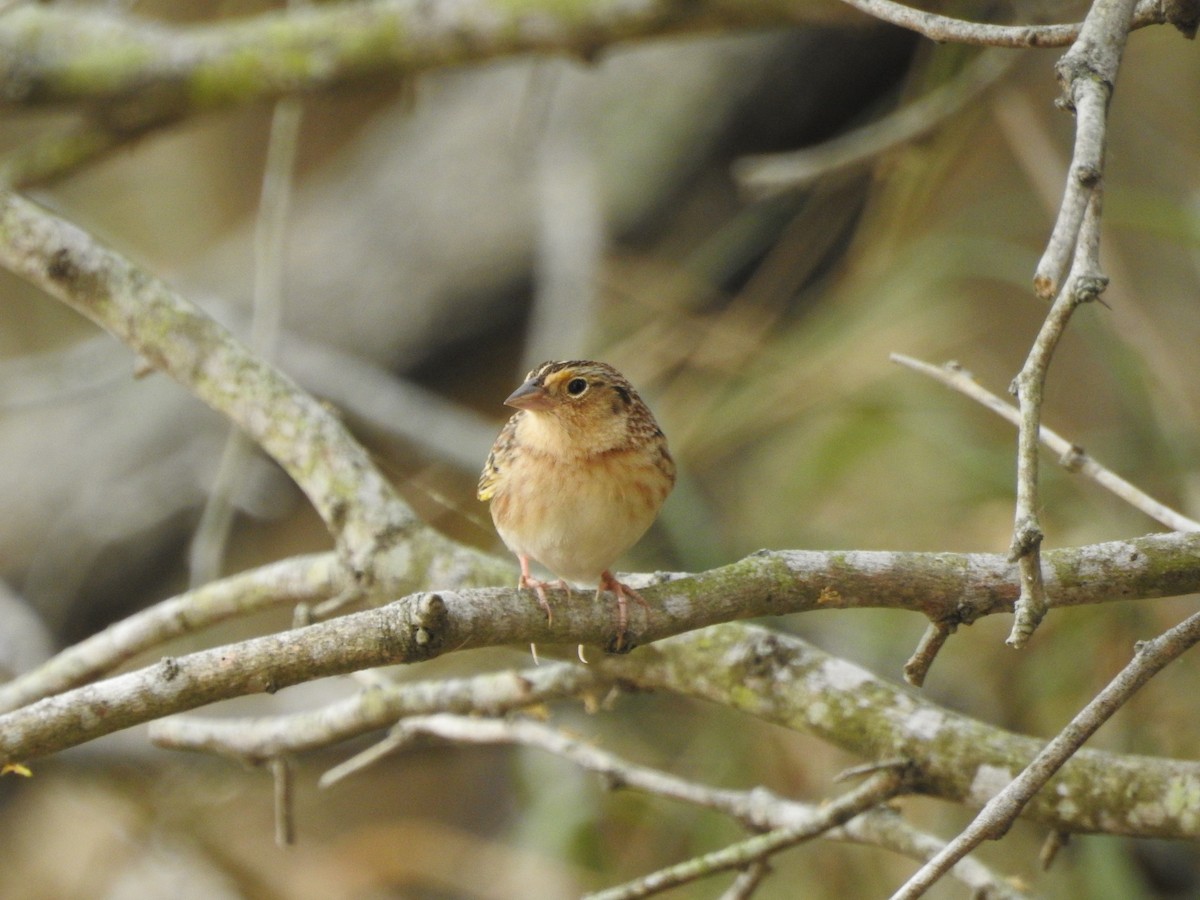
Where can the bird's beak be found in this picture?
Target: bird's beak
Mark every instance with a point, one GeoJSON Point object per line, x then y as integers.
{"type": "Point", "coordinates": [531, 396]}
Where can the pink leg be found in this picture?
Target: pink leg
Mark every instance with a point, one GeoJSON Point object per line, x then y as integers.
{"type": "Point", "coordinates": [608, 582]}
{"type": "Point", "coordinates": [539, 587]}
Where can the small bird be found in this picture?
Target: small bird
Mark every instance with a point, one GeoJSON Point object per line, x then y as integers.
{"type": "Point", "coordinates": [577, 476]}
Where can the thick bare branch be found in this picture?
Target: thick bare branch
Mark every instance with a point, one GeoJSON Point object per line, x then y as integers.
{"type": "Point", "coordinates": [399, 632]}
{"type": "Point", "coordinates": [942, 586]}
{"type": "Point", "coordinates": [135, 70]}
{"type": "Point", "coordinates": [133, 76]}
{"type": "Point", "coordinates": [379, 539]}
{"type": "Point", "coordinates": [835, 700]}
{"type": "Point", "coordinates": [781, 679]}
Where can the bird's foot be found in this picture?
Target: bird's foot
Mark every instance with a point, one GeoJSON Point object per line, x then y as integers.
{"type": "Point", "coordinates": [540, 587]}
{"type": "Point", "coordinates": [623, 592]}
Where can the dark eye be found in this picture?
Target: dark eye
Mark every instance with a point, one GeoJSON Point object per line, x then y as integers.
{"type": "Point", "coordinates": [576, 386]}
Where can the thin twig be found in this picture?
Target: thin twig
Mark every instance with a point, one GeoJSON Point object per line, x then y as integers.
{"type": "Point", "coordinates": [737, 856]}
{"type": "Point", "coordinates": [1070, 456]}
{"type": "Point", "coordinates": [758, 809]}
{"type": "Point", "coordinates": [884, 827]}
{"type": "Point", "coordinates": [950, 30]}
{"type": "Point", "coordinates": [1084, 285]}
{"type": "Point", "coordinates": [747, 881]}
{"type": "Point", "coordinates": [377, 707]}
{"type": "Point", "coordinates": [619, 773]}
{"type": "Point", "coordinates": [1087, 72]}
{"type": "Point", "coordinates": [994, 820]}
{"type": "Point", "coordinates": [931, 643]}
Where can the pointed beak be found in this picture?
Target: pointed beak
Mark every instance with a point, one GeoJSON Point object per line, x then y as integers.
{"type": "Point", "coordinates": [531, 396]}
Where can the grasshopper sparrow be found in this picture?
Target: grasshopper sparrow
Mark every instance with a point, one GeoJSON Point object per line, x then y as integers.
{"type": "Point", "coordinates": [577, 476]}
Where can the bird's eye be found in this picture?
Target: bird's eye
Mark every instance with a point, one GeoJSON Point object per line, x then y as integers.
{"type": "Point", "coordinates": [576, 386]}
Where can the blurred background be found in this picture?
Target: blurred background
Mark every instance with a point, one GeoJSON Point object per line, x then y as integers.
{"type": "Point", "coordinates": [450, 231]}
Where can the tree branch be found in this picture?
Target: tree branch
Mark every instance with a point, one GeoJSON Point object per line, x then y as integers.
{"type": "Point", "coordinates": [1002, 810]}
{"type": "Point", "coordinates": [942, 586]}
{"type": "Point", "coordinates": [1088, 72]}
{"type": "Point", "coordinates": [136, 70]}
{"type": "Point", "coordinates": [884, 827]}
{"type": "Point", "coordinates": [398, 632]}
{"type": "Point", "coordinates": [1070, 456]}
{"type": "Point", "coordinates": [375, 708]}
{"type": "Point", "coordinates": [945, 29]}
{"type": "Point", "coordinates": [378, 537]}
{"type": "Point", "coordinates": [783, 680]}
{"type": "Point", "coordinates": [758, 809]}
{"type": "Point", "coordinates": [301, 579]}
{"type": "Point", "coordinates": [745, 668]}
{"type": "Point", "coordinates": [770, 174]}
{"type": "Point", "coordinates": [134, 75]}
{"type": "Point", "coordinates": [761, 847]}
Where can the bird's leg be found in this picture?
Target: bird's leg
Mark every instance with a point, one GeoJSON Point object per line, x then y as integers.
{"type": "Point", "coordinates": [608, 582]}
{"type": "Point", "coordinates": [538, 586]}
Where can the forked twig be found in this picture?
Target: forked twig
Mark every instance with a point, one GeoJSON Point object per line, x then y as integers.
{"type": "Point", "coordinates": [1087, 72]}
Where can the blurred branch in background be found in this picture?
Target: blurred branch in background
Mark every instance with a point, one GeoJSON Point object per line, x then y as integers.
{"type": "Point", "coordinates": [207, 553]}
{"type": "Point", "coordinates": [765, 176]}
{"type": "Point", "coordinates": [81, 55]}
{"type": "Point", "coordinates": [358, 506]}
